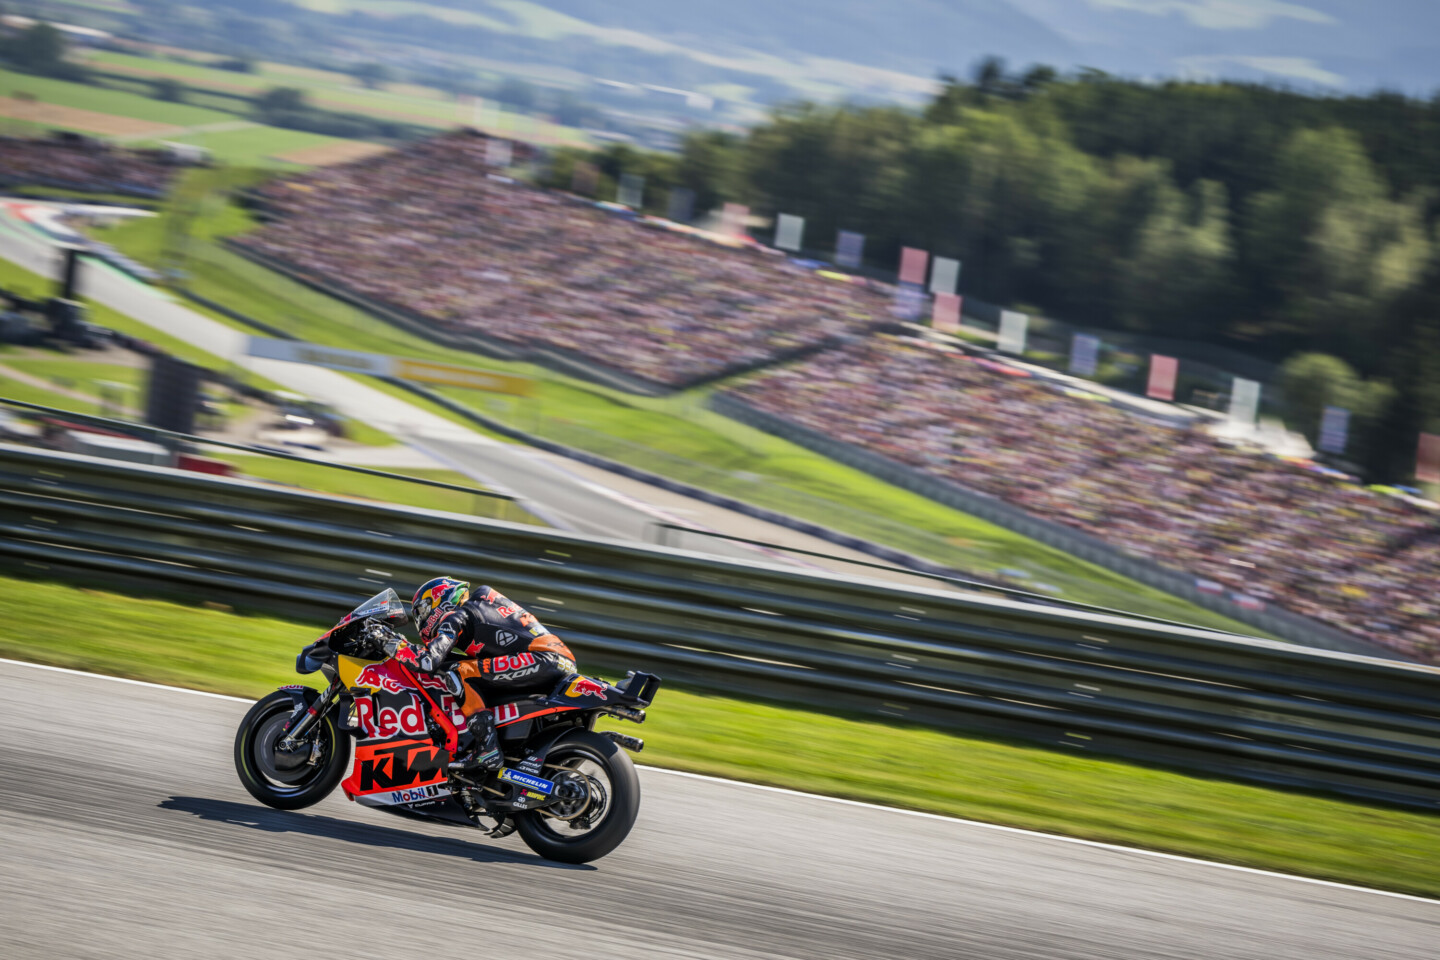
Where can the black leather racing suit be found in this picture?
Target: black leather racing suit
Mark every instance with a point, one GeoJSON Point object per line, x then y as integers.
{"type": "Point", "coordinates": [514, 652]}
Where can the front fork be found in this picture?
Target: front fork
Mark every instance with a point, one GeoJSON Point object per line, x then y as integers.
{"type": "Point", "coordinates": [307, 715]}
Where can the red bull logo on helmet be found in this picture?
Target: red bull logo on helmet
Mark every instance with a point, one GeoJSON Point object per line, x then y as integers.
{"type": "Point", "coordinates": [585, 687]}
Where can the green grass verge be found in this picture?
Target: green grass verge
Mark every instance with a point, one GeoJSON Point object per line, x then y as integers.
{"type": "Point", "coordinates": [73, 374]}
{"type": "Point", "coordinates": [326, 479]}
{"type": "Point", "coordinates": [675, 436]}
{"type": "Point", "coordinates": [887, 763]}
{"type": "Point", "coordinates": [13, 389]}
{"type": "Point", "coordinates": [16, 278]}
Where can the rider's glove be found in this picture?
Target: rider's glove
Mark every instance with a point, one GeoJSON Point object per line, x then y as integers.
{"type": "Point", "coordinates": [406, 654]}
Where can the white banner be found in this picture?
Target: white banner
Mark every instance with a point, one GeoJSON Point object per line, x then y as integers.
{"type": "Point", "coordinates": [1244, 401]}
{"type": "Point", "coordinates": [497, 153]}
{"type": "Point", "coordinates": [682, 204]}
{"type": "Point", "coordinates": [632, 191]}
{"type": "Point", "coordinates": [789, 230]}
{"type": "Point", "coordinates": [1084, 355]}
{"type": "Point", "coordinates": [1013, 328]}
{"type": "Point", "coordinates": [944, 275]}
{"type": "Point", "coordinates": [1335, 430]}
{"type": "Point", "coordinates": [294, 351]}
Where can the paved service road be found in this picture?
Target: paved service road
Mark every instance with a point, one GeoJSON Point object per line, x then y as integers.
{"type": "Point", "coordinates": [126, 834]}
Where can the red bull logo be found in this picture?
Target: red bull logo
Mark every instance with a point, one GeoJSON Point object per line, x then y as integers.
{"type": "Point", "coordinates": [585, 687]}
{"type": "Point", "coordinates": [382, 675]}
{"type": "Point", "coordinates": [389, 678]}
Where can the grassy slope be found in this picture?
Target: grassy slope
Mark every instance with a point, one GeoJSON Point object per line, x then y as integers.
{"type": "Point", "coordinates": [675, 436]}
{"type": "Point", "coordinates": [16, 277]}
{"type": "Point", "coordinates": [769, 743]}
{"type": "Point", "coordinates": [318, 476]}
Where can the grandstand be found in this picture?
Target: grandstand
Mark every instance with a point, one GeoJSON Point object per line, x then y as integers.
{"type": "Point", "coordinates": [1263, 529]}
{"type": "Point", "coordinates": [69, 162]}
{"type": "Point", "coordinates": [434, 232]}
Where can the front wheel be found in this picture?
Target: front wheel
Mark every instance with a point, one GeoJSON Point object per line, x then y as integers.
{"type": "Point", "coordinates": [288, 780]}
{"type": "Point", "coordinates": [584, 830]}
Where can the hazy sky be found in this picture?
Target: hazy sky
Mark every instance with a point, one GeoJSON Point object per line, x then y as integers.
{"type": "Point", "coordinates": [1333, 43]}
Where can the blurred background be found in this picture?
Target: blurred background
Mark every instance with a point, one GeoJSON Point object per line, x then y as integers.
{"type": "Point", "coordinates": [1073, 304]}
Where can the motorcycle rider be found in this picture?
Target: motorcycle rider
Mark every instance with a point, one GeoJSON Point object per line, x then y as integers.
{"type": "Point", "coordinates": [493, 646]}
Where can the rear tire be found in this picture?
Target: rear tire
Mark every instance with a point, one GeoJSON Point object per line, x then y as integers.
{"type": "Point", "coordinates": [276, 779]}
{"type": "Point", "coordinates": [550, 838]}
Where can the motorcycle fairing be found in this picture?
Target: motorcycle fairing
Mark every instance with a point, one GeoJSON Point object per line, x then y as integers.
{"type": "Point", "coordinates": [397, 766]}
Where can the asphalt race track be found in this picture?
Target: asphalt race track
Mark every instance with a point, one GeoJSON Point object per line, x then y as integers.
{"type": "Point", "coordinates": [124, 833]}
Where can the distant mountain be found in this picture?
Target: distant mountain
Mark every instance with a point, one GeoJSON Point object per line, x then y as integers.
{"type": "Point", "coordinates": [1338, 44]}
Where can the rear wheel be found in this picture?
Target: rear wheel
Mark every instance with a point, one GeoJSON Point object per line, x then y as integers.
{"type": "Point", "coordinates": [585, 829]}
{"type": "Point", "coordinates": [288, 780]}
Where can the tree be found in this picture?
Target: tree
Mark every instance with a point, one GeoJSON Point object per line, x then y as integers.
{"type": "Point", "coordinates": [169, 90]}
{"type": "Point", "coordinates": [1313, 381]}
{"type": "Point", "coordinates": [281, 100]}
{"type": "Point", "coordinates": [1176, 281]}
{"type": "Point", "coordinates": [38, 49]}
{"type": "Point", "coordinates": [372, 75]}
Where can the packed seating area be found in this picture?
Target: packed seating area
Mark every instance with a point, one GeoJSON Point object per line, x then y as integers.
{"type": "Point", "coordinates": [1259, 527]}
{"type": "Point", "coordinates": [431, 230]}
{"type": "Point", "coordinates": [83, 164]}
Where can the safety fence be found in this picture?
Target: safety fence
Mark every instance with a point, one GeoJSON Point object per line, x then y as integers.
{"type": "Point", "coordinates": [1088, 682]}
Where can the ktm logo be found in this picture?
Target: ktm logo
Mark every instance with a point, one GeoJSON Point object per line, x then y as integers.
{"type": "Point", "coordinates": [397, 767]}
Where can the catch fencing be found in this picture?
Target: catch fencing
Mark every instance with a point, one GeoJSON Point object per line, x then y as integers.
{"type": "Point", "coordinates": [1085, 681]}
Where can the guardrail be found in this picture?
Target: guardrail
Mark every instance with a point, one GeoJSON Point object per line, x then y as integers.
{"type": "Point", "coordinates": [1088, 682]}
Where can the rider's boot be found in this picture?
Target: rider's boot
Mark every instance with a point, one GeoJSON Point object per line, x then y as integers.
{"type": "Point", "coordinates": [484, 754]}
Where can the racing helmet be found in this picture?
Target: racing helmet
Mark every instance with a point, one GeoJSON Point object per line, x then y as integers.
{"type": "Point", "coordinates": [440, 595]}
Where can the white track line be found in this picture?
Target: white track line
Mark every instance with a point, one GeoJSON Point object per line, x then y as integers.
{"type": "Point", "coordinates": [1114, 847]}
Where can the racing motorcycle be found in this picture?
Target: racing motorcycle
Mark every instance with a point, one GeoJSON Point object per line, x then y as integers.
{"type": "Point", "coordinates": [569, 790]}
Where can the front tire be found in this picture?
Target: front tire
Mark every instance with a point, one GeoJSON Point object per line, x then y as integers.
{"type": "Point", "coordinates": [287, 781]}
{"type": "Point", "coordinates": [582, 752]}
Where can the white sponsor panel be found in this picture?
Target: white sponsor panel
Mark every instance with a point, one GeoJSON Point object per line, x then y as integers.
{"type": "Point", "coordinates": [1244, 401]}
{"type": "Point", "coordinates": [1084, 355]}
{"type": "Point", "coordinates": [1013, 329]}
{"type": "Point", "coordinates": [944, 275]}
{"type": "Point", "coordinates": [295, 351]}
{"type": "Point", "coordinates": [632, 191]}
{"type": "Point", "coordinates": [1335, 430]}
{"type": "Point", "coordinates": [849, 249]}
{"type": "Point", "coordinates": [682, 204]}
{"type": "Point", "coordinates": [498, 152]}
{"type": "Point", "coordinates": [789, 231]}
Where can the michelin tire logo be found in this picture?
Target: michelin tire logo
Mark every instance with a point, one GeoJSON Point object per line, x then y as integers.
{"type": "Point", "coordinates": [525, 780]}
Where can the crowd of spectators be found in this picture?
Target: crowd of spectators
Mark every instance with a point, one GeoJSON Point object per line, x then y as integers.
{"type": "Point", "coordinates": [433, 230]}
{"type": "Point", "coordinates": [84, 164]}
{"type": "Point", "coordinates": [1260, 528]}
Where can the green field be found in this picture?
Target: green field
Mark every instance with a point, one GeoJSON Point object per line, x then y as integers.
{"type": "Point", "coordinates": [899, 765]}
{"type": "Point", "coordinates": [674, 436]}
{"type": "Point", "coordinates": [338, 91]}
{"type": "Point", "coordinates": [118, 102]}
{"type": "Point", "coordinates": [252, 145]}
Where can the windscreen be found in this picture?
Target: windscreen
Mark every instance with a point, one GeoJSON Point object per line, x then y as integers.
{"type": "Point", "coordinates": [385, 605]}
